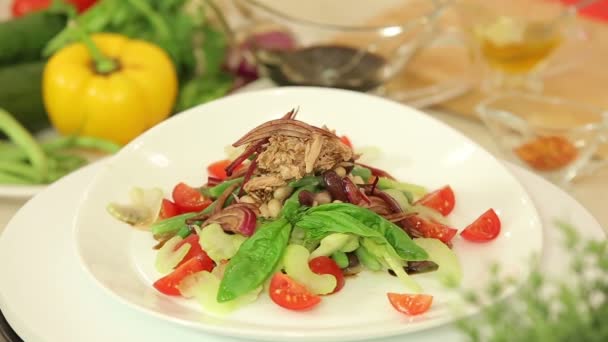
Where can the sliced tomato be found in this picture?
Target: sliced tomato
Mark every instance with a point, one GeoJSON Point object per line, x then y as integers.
{"type": "Point", "coordinates": [346, 141]}
{"type": "Point", "coordinates": [168, 209]}
{"type": "Point", "coordinates": [442, 200]}
{"type": "Point", "coordinates": [168, 284]}
{"type": "Point", "coordinates": [326, 265]}
{"type": "Point", "coordinates": [188, 199]}
{"type": "Point", "coordinates": [429, 229]}
{"type": "Point", "coordinates": [218, 169]}
{"type": "Point", "coordinates": [485, 228]}
{"type": "Point", "coordinates": [410, 304]}
{"type": "Point", "coordinates": [194, 251]}
{"type": "Point", "coordinates": [288, 294]}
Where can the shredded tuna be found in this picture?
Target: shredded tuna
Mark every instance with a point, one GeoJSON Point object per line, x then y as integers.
{"type": "Point", "coordinates": [285, 158]}
{"type": "Point", "coordinates": [313, 149]}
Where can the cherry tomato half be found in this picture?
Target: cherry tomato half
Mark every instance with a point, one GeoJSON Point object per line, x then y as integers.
{"type": "Point", "coordinates": [430, 229]}
{"type": "Point", "coordinates": [442, 200]}
{"type": "Point", "coordinates": [194, 251]}
{"type": "Point", "coordinates": [168, 284]}
{"type": "Point", "coordinates": [188, 199]}
{"type": "Point", "coordinates": [410, 304]}
{"type": "Point", "coordinates": [288, 294]}
{"type": "Point", "coordinates": [326, 265]}
{"type": "Point", "coordinates": [485, 228]}
{"type": "Point", "coordinates": [218, 169]}
{"type": "Point", "coordinates": [168, 209]}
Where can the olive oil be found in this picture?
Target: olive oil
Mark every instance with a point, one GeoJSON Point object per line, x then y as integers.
{"type": "Point", "coordinates": [514, 47]}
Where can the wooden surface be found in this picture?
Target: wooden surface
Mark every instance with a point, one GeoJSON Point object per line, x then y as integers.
{"type": "Point", "coordinates": [577, 71]}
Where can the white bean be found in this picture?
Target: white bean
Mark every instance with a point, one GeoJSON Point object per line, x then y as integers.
{"type": "Point", "coordinates": [247, 199]}
{"type": "Point", "coordinates": [358, 180]}
{"type": "Point", "coordinates": [282, 193]}
{"type": "Point", "coordinates": [264, 210]}
{"type": "Point", "coordinates": [337, 201]}
{"type": "Point", "coordinates": [323, 197]}
{"type": "Point", "coordinates": [274, 208]}
{"type": "Point", "coordinates": [340, 171]}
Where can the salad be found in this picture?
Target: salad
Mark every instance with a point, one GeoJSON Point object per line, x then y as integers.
{"type": "Point", "coordinates": [293, 215]}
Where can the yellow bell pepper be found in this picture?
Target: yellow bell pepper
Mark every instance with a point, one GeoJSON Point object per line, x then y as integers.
{"type": "Point", "coordinates": [109, 86]}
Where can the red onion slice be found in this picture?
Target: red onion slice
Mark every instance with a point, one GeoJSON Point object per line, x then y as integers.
{"type": "Point", "coordinates": [237, 219]}
{"type": "Point", "coordinates": [213, 181]}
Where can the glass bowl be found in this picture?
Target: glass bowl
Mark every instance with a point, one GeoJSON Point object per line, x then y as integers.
{"type": "Point", "coordinates": [553, 137]}
{"type": "Point", "coordinates": [317, 43]}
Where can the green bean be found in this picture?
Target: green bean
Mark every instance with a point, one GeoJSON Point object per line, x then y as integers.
{"type": "Point", "coordinates": [81, 142]}
{"type": "Point", "coordinates": [21, 170]}
{"type": "Point", "coordinates": [219, 189]}
{"type": "Point", "coordinates": [8, 178]}
{"type": "Point", "coordinates": [11, 152]}
{"type": "Point", "coordinates": [184, 231]}
{"type": "Point", "coordinates": [340, 258]}
{"type": "Point", "coordinates": [23, 139]}
{"type": "Point", "coordinates": [368, 259]}
{"type": "Point", "coordinates": [305, 181]}
{"type": "Point", "coordinates": [171, 225]}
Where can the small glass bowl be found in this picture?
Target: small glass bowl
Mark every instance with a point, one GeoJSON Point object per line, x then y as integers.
{"type": "Point", "coordinates": [550, 136]}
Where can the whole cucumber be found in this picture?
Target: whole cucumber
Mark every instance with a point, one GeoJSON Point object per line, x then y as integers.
{"type": "Point", "coordinates": [23, 39]}
{"type": "Point", "coordinates": [21, 94]}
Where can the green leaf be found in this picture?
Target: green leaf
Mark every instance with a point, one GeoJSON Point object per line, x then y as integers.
{"type": "Point", "coordinates": [255, 260]}
{"type": "Point", "coordinates": [203, 89]}
{"type": "Point", "coordinates": [398, 239]}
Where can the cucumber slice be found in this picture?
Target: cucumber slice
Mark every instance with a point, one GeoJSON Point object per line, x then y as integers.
{"type": "Point", "coordinates": [450, 270]}
{"type": "Point", "coordinates": [429, 214]}
{"type": "Point", "coordinates": [351, 245]}
{"type": "Point", "coordinates": [219, 245]}
{"type": "Point", "coordinates": [167, 257]}
{"type": "Point", "coordinates": [330, 244]}
{"type": "Point", "coordinates": [295, 262]}
{"type": "Point", "coordinates": [399, 197]}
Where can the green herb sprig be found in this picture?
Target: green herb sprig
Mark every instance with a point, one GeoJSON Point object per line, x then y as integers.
{"type": "Point", "coordinates": [544, 309]}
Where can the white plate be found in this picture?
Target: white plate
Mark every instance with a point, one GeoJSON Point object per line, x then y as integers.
{"type": "Point", "coordinates": [46, 297]}
{"type": "Point", "coordinates": [20, 191]}
{"type": "Point", "coordinates": [416, 148]}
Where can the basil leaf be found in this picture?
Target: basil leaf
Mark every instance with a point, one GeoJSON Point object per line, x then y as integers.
{"type": "Point", "coordinates": [398, 239]}
{"type": "Point", "coordinates": [255, 260]}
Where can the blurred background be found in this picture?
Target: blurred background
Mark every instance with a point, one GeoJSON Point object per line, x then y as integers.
{"type": "Point", "coordinates": [524, 78]}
